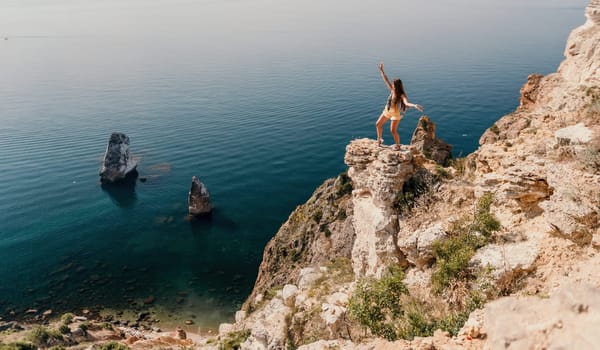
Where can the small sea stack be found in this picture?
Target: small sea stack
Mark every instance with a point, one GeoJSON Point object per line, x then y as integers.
{"type": "Point", "coordinates": [199, 203]}
{"type": "Point", "coordinates": [118, 163]}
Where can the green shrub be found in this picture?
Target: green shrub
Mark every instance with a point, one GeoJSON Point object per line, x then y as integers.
{"type": "Point", "coordinates": [422, 319]}
{"type": "Point", "coordinates": [113, 345]}
{"type": "Point", "coordinates": [18, 346]}
{"type": "Point", "coordinates": [376, 304]}
{"type": "Point", "coordinates": [452, 258]}
{"type": "Point", "coordinates": [442, 172]}
{"type": "Point", "coordinates": [57, 347]}
{"type": "Point", "coordinates": [234, 340]}
{"type": "Point", "coordinates": [84, 326]}
{"type": "Point", "coordinates": [64, 329]}
{"type": "Point", "coordinates": [317, 215]}
{"type": "Point", "coordinates": [41, 336]}
{"type": "Point", "coordinates": [485, 222]}
{"type": "Point", "coordinates": [466, 236]}
{"type": "Point", "coordinates": [67, 318]}
{"type": "Point", "coordinates": [343, 185]}
{"type": "Point", "coordinates": [494, 128]}
{"type": "Point", "coordinates": [417, 186]}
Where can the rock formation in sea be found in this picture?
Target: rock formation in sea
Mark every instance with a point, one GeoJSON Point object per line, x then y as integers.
{"type": "Point", "coordinates": [199, 203]}
{"type": "Point", "coordinates": [118, 163]}
{"type": "Point", "coordinates": [411, 250]}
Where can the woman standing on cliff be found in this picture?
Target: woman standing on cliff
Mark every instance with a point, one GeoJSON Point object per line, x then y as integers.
{"type": "Point", "coordinates": [397, 103]}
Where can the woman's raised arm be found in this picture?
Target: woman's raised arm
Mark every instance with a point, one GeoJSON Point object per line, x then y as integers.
{"type": "Point", "coordinates": [385, 78]}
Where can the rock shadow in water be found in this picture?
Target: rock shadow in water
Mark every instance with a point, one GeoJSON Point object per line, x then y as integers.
{"type": "Point", "coordinates": [123, 193]}
{"type": "Point", "coordinates": [212, 222]}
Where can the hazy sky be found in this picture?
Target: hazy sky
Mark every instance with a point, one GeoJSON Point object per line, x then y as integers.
{"type": "Point", "coordinates": [225, 18]}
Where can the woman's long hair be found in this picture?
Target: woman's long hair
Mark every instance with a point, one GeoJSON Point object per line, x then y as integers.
{"type": "Point", "coordinates": [399, 92]}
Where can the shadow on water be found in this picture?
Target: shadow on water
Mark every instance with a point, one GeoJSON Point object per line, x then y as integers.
{"type": "Point", "coordinates": [208, 223]}
{"type": "Point", "coordinates": [123, 193]}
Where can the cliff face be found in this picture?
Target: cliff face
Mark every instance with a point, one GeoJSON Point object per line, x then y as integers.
{"type": "Point", "coordinates": [522, 212]}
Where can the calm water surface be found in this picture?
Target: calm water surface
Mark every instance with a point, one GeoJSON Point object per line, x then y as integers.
{"type": "Point", "coordinates": [256, 98]}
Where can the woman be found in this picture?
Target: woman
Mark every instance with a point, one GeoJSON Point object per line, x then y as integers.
{"type": "Point", "coordinates": [397, 103]}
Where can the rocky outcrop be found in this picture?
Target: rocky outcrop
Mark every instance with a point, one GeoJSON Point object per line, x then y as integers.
{"type": "Point", "coordinates": [118, 163]}
{"type": "Point", "coordinates": [529, 91]}
{"type": "Point", "coordinates": [378, 175]}
{"type": "Point", "coordinates": [199, 203]}
{"type": "Point", "coordinates": [424, 140]}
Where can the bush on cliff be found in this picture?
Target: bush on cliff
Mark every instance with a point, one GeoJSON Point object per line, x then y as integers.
{"type": "Point", "coordinates": [388, 310]}
{"type": "Point", "coordinates": [113, 345]}
{"type": "Point", "coordinates": [17, 346]}
{"type": "Point", "coordinates": [376, 304]}
{"type": "Point", "coordinates": [43, 337]}
{"type": "Point", "coordinates": [234, 340]}
{"type": "Point", "coordinates": [415, 191]}
{"type": "Point", "coordinates": [343, 185]}
{"type": "Point", "coordinates": [468, 234]}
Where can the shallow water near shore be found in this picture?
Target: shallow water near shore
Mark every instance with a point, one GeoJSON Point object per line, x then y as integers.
{"type": "Point", "coordinates": [260, 107]}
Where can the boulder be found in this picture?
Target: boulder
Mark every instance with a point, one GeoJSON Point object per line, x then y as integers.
{"type": "Point", "coordinates": [289, 294]}
{"type": "Point", "coordinates": [424, 140]}
{"type": "Point", "coordinates": [570, 319]}
{"type": "Point", "coordinates": [199, 199]}
{"type": "Point", "coordinates": [118, 163]}
{"type": "Point", "coordinates": [573, 135]}
{"type": "Point", "coordinates": [417, 245]}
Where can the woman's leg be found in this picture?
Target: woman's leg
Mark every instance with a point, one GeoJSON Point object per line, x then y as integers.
{"type": "Point", "coordinates": [379, 126]}
{"type": "Point", "coordinates": [394, 130]}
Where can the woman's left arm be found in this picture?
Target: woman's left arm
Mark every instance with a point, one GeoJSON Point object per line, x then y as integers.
{"type": "Point", "coordinates": [412, 105]}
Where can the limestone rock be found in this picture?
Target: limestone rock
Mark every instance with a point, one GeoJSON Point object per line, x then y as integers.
{"type": "Point", "coordinates": [118, 163]}
{"type": "Point", "coordinates": [573, 135]}
{"type": "Point", "coordinates": [417, 245]}
{"type": "Point", "coordinates": [526, 186]}
{"type": "Point", "coordinates": [240, 316]}
{"type": "Point", "coordinates": [329, 344]}
{"type": "Point", "coordinates": [307, 277]}
{"type": "Point", "coordinates": [225, 328]}
{"type": "Point", "coordinates": [582, 65]}
{"type": "Point", "coordinates": [268, 326]}
{"type": "Point", "coordinates": [568, 320]}
{"type": "Point", "coordinates": [376, 171]}
{"type": "Point", "coordinates": [289, 293]}
{"type": "Point", "coordinates": [529, 91]}
{"type": "Point", "coordinates": [331, 313]}
{"type": "Point", "coordinates": [424, 140]}
{"type": "Point", "coordinates": [199, 199]}
{"type": "Point", "coordinates": [506, 257]}
{"type": "Point", "coordinates": [378, 175]}
{"type": "Point", "coordinates": [508, 127]}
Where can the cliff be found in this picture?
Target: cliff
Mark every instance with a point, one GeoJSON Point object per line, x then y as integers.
{"type": "Point", "coordinates": [494, 250]}
{"type": "Point", "coordinates": [411, 250]}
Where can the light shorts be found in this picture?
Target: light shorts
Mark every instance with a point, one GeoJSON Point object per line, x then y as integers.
{"type": "Point", "coordinates": [392, 115]}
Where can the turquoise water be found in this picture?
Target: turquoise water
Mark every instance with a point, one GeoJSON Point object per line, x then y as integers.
{"type": "Point", "coordinates": [256, 99]}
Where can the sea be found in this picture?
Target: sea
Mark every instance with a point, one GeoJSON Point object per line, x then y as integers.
{"type": "Point", "coordinates": [257, 98]}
